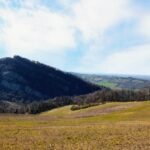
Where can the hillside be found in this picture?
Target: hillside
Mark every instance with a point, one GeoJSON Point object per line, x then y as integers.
{"type": "Point", "coordinates": [117, 82]}
{"type": "Point", "coordinates": [79, 102]}
{"type": "Point", "coordinates": [112, 126]}
{"type": "Point", "coordinates": [106, 112]}
{"type": "Point", "coordinates": [25, 80]}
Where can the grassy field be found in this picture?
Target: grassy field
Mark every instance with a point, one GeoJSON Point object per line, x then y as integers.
{"type": "Point", "coordinates": [108, 84]}
{"type": "Point", "coordinates": [112, 126]}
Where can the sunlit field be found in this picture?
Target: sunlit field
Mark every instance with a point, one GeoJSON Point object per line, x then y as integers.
{"type": "Point", "coordinates": [112, 126]}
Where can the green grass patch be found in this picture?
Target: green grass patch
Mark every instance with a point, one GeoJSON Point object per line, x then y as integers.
{"type": "Point", "coordinates": [108, 84]}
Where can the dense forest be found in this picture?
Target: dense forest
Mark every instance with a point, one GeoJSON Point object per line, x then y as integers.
{"type": "Point", "coordinates": [99, 97]}
{"type": "Point", "coordinates": [22, 80]}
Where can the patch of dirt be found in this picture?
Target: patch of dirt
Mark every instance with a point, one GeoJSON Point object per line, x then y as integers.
{"type": "Point", "coordinates": [103, 111]}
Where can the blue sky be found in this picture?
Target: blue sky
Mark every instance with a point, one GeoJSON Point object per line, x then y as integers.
{"type": "Point", "coordinates": [98, 36]}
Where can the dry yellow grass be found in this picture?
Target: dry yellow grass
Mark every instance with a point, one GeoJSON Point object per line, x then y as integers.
{"type": "Point", "coordinates": [62, 129]}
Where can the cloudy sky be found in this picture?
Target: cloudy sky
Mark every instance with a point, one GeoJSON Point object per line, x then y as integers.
{"type": "Point", "coordinates": [90, 36]}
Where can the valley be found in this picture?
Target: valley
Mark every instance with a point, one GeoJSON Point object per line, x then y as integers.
{"type": "Point", "coordinates": [130, 82]}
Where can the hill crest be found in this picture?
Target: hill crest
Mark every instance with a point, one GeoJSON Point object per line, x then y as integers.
{"type": "Point", "coordinates": [24, 80]}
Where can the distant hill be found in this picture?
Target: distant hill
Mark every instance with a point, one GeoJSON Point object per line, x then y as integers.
{"type": "Point", "coordinates": [25, 80]}
{"type": "Point", "coordinates": [117, 82]}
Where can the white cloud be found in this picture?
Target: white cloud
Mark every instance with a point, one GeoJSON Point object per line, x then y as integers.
{"type": "Point", "coordinates": [94, 24]}
{"type": "Point", "coordinates": [35, 31]}
{"type": "Point", "coordinates": [94, 18]}
{"type": "Point", "coordinates": [68, 3]}
{"type": "Point", "coordinates": [134, 60]}
{"type": "Point", "coordinates": [31, 31]}
{"type": "Point", "coordinates": [144, 25]}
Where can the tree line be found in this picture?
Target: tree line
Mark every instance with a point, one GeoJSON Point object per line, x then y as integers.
{"type": "Point", "coordinates": [83, 101]}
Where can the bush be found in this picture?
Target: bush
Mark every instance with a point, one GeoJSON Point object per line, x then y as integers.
{"type": "Point", "coordinates": [78, 107]}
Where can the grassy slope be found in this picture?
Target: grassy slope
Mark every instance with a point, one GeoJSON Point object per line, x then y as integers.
{"type": "Point", "coordinates": [123, 128]}
{"type": "Point", "coordinates": [108, 84]}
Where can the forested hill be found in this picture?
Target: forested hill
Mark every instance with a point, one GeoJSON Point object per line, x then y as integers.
{"type": "Point", "coordinates": [25, 80]}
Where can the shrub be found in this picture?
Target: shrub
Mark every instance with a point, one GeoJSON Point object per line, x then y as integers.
{"type": "Point", "coordinates": [78, 107]}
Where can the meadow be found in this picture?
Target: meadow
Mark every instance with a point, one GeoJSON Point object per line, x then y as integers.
{"type": "Point", "coordinates": [112, 126]}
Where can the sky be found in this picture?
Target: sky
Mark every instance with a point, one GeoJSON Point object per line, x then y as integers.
{"type": "Point", "coordinates": [86, 36]}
